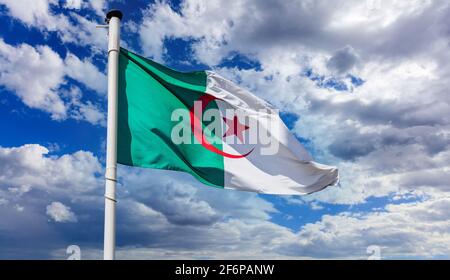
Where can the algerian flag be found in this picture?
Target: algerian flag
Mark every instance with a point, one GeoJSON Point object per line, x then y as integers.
{"type": "Point", "coordinates": [203, 124]}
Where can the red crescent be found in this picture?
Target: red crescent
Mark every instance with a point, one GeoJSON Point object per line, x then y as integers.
{"type": "Point", "coordinates": [196, 127]}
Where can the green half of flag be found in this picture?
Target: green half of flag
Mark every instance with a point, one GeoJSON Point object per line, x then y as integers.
{"type": "Point", "coordinates": [148, 94]}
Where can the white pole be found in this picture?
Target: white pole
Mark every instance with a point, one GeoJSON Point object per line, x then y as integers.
{"type": "Point", "coordinates": [113, 18]}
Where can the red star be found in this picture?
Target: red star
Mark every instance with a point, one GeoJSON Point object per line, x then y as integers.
{"type": "Point", "coordinates": [235, 128]}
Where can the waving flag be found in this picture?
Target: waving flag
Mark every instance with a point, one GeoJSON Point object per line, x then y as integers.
{"type": "Point", "coordinates": [203, 124]}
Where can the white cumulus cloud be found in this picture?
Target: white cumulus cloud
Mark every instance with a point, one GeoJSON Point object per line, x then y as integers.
{"type": "Point", "coordinates": [36, 74]}
{"type": "Point", "coordinates": [60, 213]}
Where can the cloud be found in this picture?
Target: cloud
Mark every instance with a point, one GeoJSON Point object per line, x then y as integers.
{"type": "Point", "coordinates": [36, 75]}
{"type": "Point", "coordinates": [3, 201]}
{"type": "Point", "coordinates": [397, 230]}
{"type": "Point", "coordinates": [156, 206]}
{"type": "Point", "coordinates": [85, 72]}
{"type": "Point", "coordinates": [70, 27]}
{"type": "Point", "coordinates": [184, 201]}
{"type": "Point", "coordinates": [180, 205]}
{"type": "Point", "coordinates": [73, 4]}
{"type": "Point", "coordinates": [36, 14]}
{"type": "Point", "coordinates": [30, 165]}
{"type": "Point", "coordinates": [60, 213]}
{"type": "Point", "coordinates": [355, 143]}
{"type": "Point", "coordinates": [97, 5]}
{"type": "Point", "coordinates": [90, 113]}
{"type": "Point", "coordinates": [255, 28]}
{"type": "Point", "coordinates": [343, 60]}
{"type": "Point", "coordinates": [39, 184]}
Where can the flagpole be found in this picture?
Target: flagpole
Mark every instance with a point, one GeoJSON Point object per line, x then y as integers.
{"type": "Point", "coordinates": [113, 18]}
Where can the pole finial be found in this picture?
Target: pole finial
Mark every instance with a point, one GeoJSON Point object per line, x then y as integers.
{"type": "Point", "coordinates": [113, 13]}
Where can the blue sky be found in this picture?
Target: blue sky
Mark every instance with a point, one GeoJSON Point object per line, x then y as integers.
{"type": "Point", "coordinates": [363, 86]}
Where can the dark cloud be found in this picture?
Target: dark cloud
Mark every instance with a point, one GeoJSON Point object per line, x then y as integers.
{"type": "Point", "coordinates": [178, 203]}
{"type": "Point", "coordinates": [398, 113]}
{"type": "Point", "coordinates": [343, 60]}
{"type": "Point", "coordinates": [412, 33]}
{"type": "Point", "coordinates": [354, 144]}
{"type": "Point", "coordinates": [435, 178]}
{"type": "Point", "coordinates": [350, 149]}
